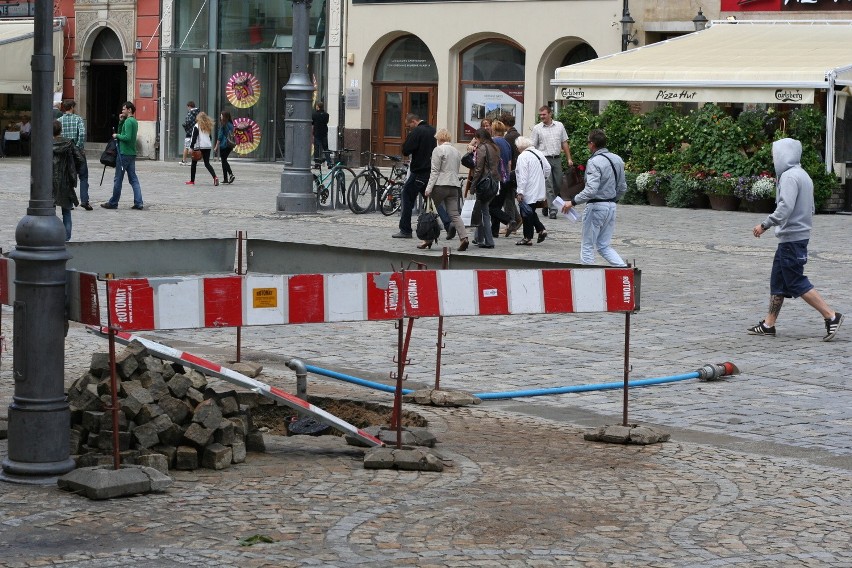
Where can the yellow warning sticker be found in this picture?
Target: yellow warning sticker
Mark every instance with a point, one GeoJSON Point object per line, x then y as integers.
{"type": "Point", "coordinates": [265, 297]}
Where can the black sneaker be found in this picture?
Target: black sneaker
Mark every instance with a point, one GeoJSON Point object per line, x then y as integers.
{"type": "Point", "coordinates": [832, 325]}
{"type": "Point", "coordinates": [401, 235]}
{"type": "Point", "coordinates": [761, 329]}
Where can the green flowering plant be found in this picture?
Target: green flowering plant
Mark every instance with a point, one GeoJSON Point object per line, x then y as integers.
{"type": "Point", "coordinates": [651, 181]}
{"type": "Point", "coordinates": [758, 187]}
{"type": "Point", "coordinates": [720, 184]}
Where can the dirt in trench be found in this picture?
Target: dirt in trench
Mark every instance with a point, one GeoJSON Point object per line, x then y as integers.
{"type": "Point", "coordinates": [276, 419]}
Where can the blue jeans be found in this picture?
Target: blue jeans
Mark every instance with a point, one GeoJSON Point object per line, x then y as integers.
{"type": "Point", "coordinates": [66, 220]}
{"type": "Point", "coordinates": [126, 164]}
{"type": "Point", "coordinates": [598, 226]}
{"type": "Point", "coordinates": [83, 174]}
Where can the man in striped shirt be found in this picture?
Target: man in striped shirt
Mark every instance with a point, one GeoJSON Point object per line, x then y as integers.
{"type": "Point", "coordinates": [550, 138]}
{"type": "Point", "coordinates": [74, 129]}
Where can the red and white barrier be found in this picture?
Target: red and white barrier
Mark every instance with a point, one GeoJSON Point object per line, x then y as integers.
{"type": "Point", "coordinates": [7, 281]}
{"type": "Point", "coordinates": [81, 291]}
{"type": "Point", "coordinates": [231, 301]}
{"type": "Point", "coordinates": [233, 377]}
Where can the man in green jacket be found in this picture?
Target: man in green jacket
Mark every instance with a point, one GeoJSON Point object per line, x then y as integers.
{"type": "Point", "coordinates": [126, 136]}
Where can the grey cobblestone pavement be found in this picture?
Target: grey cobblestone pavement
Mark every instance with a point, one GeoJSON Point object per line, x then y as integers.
{"type": "Point", "coordinates": [758, 472]}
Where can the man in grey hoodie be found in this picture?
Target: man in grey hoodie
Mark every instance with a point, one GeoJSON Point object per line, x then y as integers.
{"type": "Point", "coordinates": [792, 219]}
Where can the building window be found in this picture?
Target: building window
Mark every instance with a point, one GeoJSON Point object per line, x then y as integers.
{"type": "Point", "coordinates": [267, 24]}
{"type": "Point", "coordinates": [407, 60]}
{"type": "Point", "coordinates": [491, 84]}
{"type": "Point", "coordinates": [192, 24]}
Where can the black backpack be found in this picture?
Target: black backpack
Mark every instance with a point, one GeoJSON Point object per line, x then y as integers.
{"type": "Point", "coordinates": [109, 156]}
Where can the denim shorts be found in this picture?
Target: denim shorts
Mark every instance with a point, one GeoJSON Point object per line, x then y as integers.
{"type": "Point", "coordinates": [788, 270]}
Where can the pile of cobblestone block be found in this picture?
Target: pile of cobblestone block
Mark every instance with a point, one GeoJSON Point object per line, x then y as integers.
{"type": "Point", "coordinates": [169, 417]}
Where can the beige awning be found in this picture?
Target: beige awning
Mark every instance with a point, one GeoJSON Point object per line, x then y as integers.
{"type": "Point", "coordinates": [16, 50]}
{"type": "Point", "coordinates": [757, 62]}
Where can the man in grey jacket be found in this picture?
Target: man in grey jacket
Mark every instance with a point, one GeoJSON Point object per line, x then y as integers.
{"type": "Point", "coordinates": [792, 220]}
{"type": "Point", "coordinates": [605, 184]}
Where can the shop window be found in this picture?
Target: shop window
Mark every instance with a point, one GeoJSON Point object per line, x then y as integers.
{"type": "Point", "coordinates": [492, 84]}
{"type": "Point", "coordinates": [407, 60]}
{"type": "Point", "coordinates": [192, 24]}
{"type": "Point", "coordinates": [267, 24]}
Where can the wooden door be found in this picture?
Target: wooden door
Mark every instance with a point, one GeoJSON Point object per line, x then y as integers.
{"type": "Point", "coordinates": [391, 103]}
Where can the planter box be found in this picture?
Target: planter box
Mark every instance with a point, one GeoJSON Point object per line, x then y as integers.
{"type": "Point", "coordinates": [724, 202]}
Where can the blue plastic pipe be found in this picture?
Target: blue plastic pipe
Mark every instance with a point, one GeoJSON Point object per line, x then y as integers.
{"type": "Point", "coordinates": [513, 394]}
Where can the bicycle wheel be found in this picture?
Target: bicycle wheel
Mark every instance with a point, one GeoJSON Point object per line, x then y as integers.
{"type": "Point", "coordinates": [340, 184]}
{"type": "Point", "coordinates": [391, 199]}
{"type": "Point", "coordinates": [320, 191]}
{"type": "Point", "coordinates": [362, 193]}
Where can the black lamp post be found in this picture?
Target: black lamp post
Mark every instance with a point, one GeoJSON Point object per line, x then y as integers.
{"type": "Point", "coordinates": [297, 194]}
{"type": "Point", "coordinates": [628, 37]}
{"type": "Point", "coordinates": [699, 21]}
{"type": "Point", "coordinates": [39, 416]}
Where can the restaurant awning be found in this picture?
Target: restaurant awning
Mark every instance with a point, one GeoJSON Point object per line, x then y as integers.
{"type": "Point", "coordinates": [16, 50]}
{"type": "Point", "coordinates": [744, 62]}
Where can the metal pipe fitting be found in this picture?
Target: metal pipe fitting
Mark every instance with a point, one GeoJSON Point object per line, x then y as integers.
{"type": "Point", "coordinates": [715, 371]}
{"type": "Point", "coordinates": [301, 377]}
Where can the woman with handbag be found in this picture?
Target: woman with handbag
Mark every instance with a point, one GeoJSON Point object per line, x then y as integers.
{"type": "Point", "coordinates": [531, 171]}
{"type": "Point", "coordinates": [201, 143]}
{"type": "Point", "coordinates": [485, 182]}
{"type": "Point", "coordinates": [443, 186]}
{"type": "Point", "coordinates": [225, 144]}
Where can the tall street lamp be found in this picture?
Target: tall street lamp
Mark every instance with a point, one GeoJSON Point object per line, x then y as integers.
{"type": "Point", "coordinates": [296, 194]}
{"type": "Point", "coordinates": [628, 37]}
{"type": "Point", "coordinates": [39, 416]}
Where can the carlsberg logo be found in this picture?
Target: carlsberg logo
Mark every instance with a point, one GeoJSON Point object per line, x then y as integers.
{"type": "Point", "coordinates": [787, 96]}
{"type": "Point", "coordinates": [572, 93]}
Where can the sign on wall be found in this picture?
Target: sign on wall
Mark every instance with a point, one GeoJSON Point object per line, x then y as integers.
{"type": "Point", "coordinates": [786, 5]}
{"type": "Point", "coordinates": [491, 103]}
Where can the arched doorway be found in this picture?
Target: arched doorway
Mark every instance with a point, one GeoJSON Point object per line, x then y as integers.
{"type": "Point", "coordinates": [107, 86]}
{"type": "Point", "coordinates": [406, 81]}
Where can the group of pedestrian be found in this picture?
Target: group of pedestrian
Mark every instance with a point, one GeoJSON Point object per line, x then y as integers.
{"type": "Point", "coordinates": [198, 127]}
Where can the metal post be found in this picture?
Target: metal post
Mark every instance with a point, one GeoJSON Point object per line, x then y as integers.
{"type": "Point", "coordinates": [239, 271]}
{"type": "Point", "coordinates": [113, 387]}
{"type": "Point", "coordinates": [296, 194]}
{"type": "Point", "coordinates": [39, 416]}
{"type": "Point", "coordinates": [626, 363]}
{"type": "Point", "coordinates": [445, 263]}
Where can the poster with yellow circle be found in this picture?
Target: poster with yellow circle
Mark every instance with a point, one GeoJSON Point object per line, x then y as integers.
{"type": "Point", "coordinates": [243, 90]}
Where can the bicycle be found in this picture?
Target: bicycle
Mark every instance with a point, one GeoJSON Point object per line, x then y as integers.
{"type": "Point", "coordinates": [370, 183]}
{"type": "Point", "coordinates": [391, 199]}
{"type": "Point", "coordinates": [334, 183]}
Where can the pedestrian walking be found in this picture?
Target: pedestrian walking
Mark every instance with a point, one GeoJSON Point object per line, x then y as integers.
{"type": "Point", "coordinates": [444, 184]}
{"type": "Point", "coordinates": [188, 124]}
{"type": "Point", "coordinates": [532, 170]}
{"type": "Point", "coordinates": [551, 138]}
{"type": "Point", "coordinates": [128, 128]}
{"type": "Point", "coordinates": [202, 139]}
{"type": "Point", "coordinates": [793, 221]}
{"type": "Point", "coordinates": [605, 184]}
{"type": "Point", "coordinates": [225, 145]}
{"type": "Point", "coordinates": [67, 160]}
{"type": "Point", "coordinates": [74, 129]}
{"type": "Point", "coordinates": [487, 163]}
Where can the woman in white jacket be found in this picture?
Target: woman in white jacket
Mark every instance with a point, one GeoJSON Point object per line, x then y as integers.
{"type": "Point", "coordinates": [202, 139]}
{"type": "Point", "coordinates": [444, 185]}
{"type": "Point", "coordinates": [531, 171]}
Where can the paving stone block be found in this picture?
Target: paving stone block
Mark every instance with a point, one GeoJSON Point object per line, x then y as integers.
{"type": "Point", "coordinates": [238, 450]}
{"type": "Point", "coordinates": [224, 434]}
{"type": "Point", "coordinates": [91, 420]}
{"type": "Point", "coordinates": [130, 407]}
{"type": "Point", "coordinates": [135, 390]}
{"type": "Point", "coordinates": [168, 371]}
{"type": "Point", "coordinates": [92, 459]}
{"type": "Point", "coordinates": [105, 440]}
{"type": "Point", "coordinates": [247, 368]}
{"type": "Point", "coordinates": [158, 389]}
{"type": "Point", "coordinates": [198, 380]}
{"type": "Point", "coordinates": [173, 434]}
{"type": "Point", "coordinates": [208, 414]}
{"type": "Point", "coordinates": [247, 399]}
{"type": "Point", "coordinates": [254, 442]}
{"type": "Point", "coordinates": [217, 456]}
{"type": "Point", "coordinates": [161, 423]}
{"type": "Point", "coordinates": [106, 421]}
{"type": "Point", "coordinates": [198, 435]}
{"type": "Point", "coordinates": [87, 399]}
{"type": "Point", "coordinates": [194, 396]}
{"type": "Point", "coordinates": [147, 378]}
{"type": "Point", "coordinates": [151, 364]}
{"type": "Point", "coordinates": [166, 450]}
{"type": "Point", "coordinates": [99, 366]}
{"type": "Point", "coordinates": [146, 436]}
{"type": "Point", "coordinates": [241, 422]}
{"type": "Point", "coordinates": [125, 364]}
{"type": "Point", "coordinates": [178, 385]}
{"type": "Point", "coordinates": [155, 461]}
{"type": "Point", "coordinates": [148, 413]}
{"type": "Point", "coordinates": [177, 410]}
{"type": "Point", "coordinates": [76, 438]}
{"type": "Point", "coordinates": [229, 405]}
{"type": "Point", "coordinates": [186, 458]}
